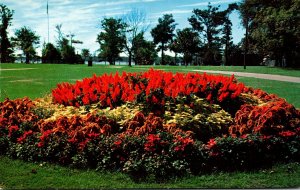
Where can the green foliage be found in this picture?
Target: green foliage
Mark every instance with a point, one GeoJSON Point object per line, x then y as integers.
{"type": "Point", "coordinates": [163, 33]}
{"type": "Point", "coordinates": [188, 43]}
{"type": "Point", "coordinates": [226, 32]}
{"type": "Point", "coordinates": [50, 54]}
{"type": "Point", "coordinates": [85, 53]}
{"type": "Point", "coordinates": [215, 27]}
{"type": "Point", "coordinates": [67, 51]}
{"type": "Point", "coordinates": [26, 40]}
{"type": "Point", "coordinates": [6, 16]}
{"type": "Point", "coordinates": [144, 51]}
{"type": "Point", "coordinates": [273, 29]}
{"type": "Point", "coordinates": [208, 23]}
{"type": "Point", "coordinates": [111, 39]}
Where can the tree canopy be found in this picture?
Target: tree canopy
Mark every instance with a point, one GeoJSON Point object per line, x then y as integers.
{"type": "Point", "coordinates": [163, 33]}
{"type": "Point", "coordinates": [6, 16]}
{"type": "Point", "coordinates": [26, 40]}
{"type": "Point", "coordinates": [187, 42]}
{"type": "Point", "coordinates": [50, 54]}
{"type": "Point", "coordinates": [274, 28]}
{"type": "Point", "coordinates": [143, 50]}
{"type": "Point", "coordinates": [111, 39]}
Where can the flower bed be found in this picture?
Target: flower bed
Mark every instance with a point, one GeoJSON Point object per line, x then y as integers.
{"type": "Point", "coordinates": [152, 123]}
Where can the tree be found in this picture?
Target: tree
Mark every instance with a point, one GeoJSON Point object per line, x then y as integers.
{"type": "Point", "coordinates": [5, 45]}
{"type": "Point", "coordinates": [50, 54]}
{"type": "Point", "coordinates": [26, 40]}
{"type": "Point", "coordinates": [67, 51]}
{"type": "Point", "coordinates": [143, 50]}
{"type": "Point", "coordinates": [85, 53]}
{"type": "Point", "coordinates": [208, 23]}
{"type": "Point", "coordinates": [135, 24]}
{"type": "Point", "coordinates": [273, 29]}
{"type": "Point", "coordinates": [226, 31]}
{"type": "Point", "coordinates": [188, 43]}
{"type": "Point", "coordinates": [111, 39]}
{"type": "Point", "coordinates": [163, 33]}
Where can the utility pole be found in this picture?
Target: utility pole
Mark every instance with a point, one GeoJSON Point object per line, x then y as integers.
{"type": "Point", "coordinates": [246, 42]}
{"type": "Point", "coordinates": [48, 20]}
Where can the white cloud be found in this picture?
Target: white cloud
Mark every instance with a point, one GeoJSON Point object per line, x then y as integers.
{"type": "Point", "coordinates": [174, 11]}
{"type": "Point", "coordinates": [206, 3]}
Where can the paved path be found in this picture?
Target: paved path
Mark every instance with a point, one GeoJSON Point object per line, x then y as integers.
{"type": "Point", "coordinates": [16, 69]}
{"type": "Point", "coordinates": [256, 75]}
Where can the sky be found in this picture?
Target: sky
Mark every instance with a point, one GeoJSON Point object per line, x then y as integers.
{"type": "Point", "coordinates": [83, 17]}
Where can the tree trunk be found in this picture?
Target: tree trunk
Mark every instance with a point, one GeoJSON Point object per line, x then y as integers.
{"type": "Point", "coordinates": [162, 54]}
{"type": "Point", "coordinates": [27, 58]}
{"type": "Point", "coordinates": [226, 54]}
{"type": "Point", "coordinates": [246, 43]}
{"type": "Point", "coordinates": [129, 58]}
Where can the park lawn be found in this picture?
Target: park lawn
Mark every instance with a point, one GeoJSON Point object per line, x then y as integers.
{"type": "Point", "coordinates": [23, 175]}
{"type": "Point", "coordinates": [39, 79]}
{"type": "Point", "coordinates": [249, 69]}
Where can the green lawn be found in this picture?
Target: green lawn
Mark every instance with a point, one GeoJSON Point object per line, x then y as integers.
{"type": "Point", "coordinates": [18, 174]}
{"type": "Point", "coordinates": [39, 79]}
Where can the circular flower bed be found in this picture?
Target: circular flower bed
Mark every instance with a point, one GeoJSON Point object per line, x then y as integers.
{"type": "Point", "coordinates": [152, 123]}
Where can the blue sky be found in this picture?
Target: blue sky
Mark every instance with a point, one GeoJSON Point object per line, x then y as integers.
{"type": "Point", "coordinates": [83, 17]}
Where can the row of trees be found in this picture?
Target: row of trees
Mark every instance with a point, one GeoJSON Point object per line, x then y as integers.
{"type": "Point", "coordinates": [272, 29]}
{"type": "Point", "coordinates": [27, 40]}
{"type": "Point", "coordinates": [210, 30]}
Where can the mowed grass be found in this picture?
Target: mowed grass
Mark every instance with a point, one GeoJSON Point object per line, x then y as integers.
{"type": "Point", "coordinates": [37, 80]}
{"type": "Point", "coordinates": [22, 175]}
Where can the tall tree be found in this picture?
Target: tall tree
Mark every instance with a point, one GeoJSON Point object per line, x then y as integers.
{"type": "Point", "coordinates": [227, 31]}
{"type": "Point", "coordinates": [6, 15]}
{"type": "Point", "coordinates": [67, 51]}
{"type": "Point", "coordinates": [111, 39]}
{"type": "Point", "coordinates": [26, 40]}
{"type": "Point", "coordinates": [188, 43]}
{"type": "Point", "coordinates": [50, 54]}
{"type": "Point", "coordinates": [85, 53]}
{"type": "Point", "coordinates": [135, 24]}
{"type": "Point", "coordinates": [274, 29]}
{"type": "Point", "coordinates": [208, 23]}
{"type": "Point", "coordinates": [143, 50]}
{"type": "Point", "coordinates": [163, 33]}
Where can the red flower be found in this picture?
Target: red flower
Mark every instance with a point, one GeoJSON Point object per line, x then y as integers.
{"type": "Point", "coordinates": [182, 142]}
{"type": "Point", "coordinates": [118, 143]}
{"type": "Point", "coordinates": [86, 100]}
{"type": "Point", "coordinates": [152, 142]}
{"type": "Point", "coordinates": [40, 144]}
{"type": "Point", "coordinates": [12, 129]}
{"type": "Point", "coordinates": [126, 87]}
{"type": "Point", "coordinates": [209, 97]}
{"type": "Point", "coordinates": [211, 143]}
{"type": "Point", "coordinates": [24, 136]}
{"type": "Point", "coordinates": [287, 133]}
